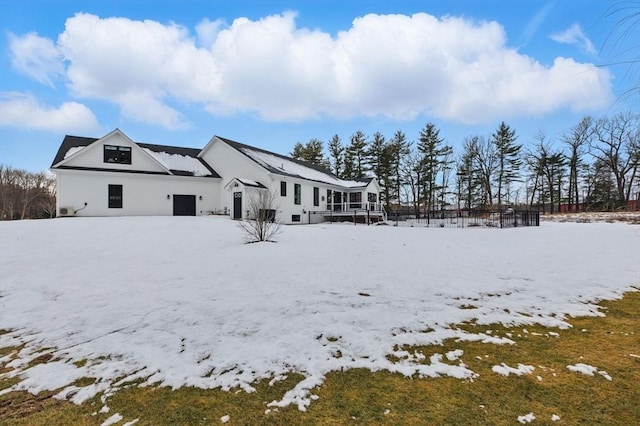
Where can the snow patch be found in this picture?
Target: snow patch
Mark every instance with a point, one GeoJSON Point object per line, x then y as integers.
{"type": "Point", "coordinates": [527, 418]}
{"type": "Point", "coordinates": [588, 370]}
{"type": "Point", "coordinates": [179, 162]}
{"type": "Point", "coordinates": [112, 420]}
{"type": "Point", "coordinates": [454, 355]}
{"type": "Point", "coordinates": [504, 370]}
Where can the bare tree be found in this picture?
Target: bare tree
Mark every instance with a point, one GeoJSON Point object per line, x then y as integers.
{"type": "Point", "coordinates": [485, 158]}
{"type": "Point", "coordinates": [576, 139]}
{"type": "Point", "coordinates": [262, 224]}
{"type": "Point", "coordinates": [626, 16]}
{"type": "Point", "coordinates": [412, 177]}
{"type": "Point", "coordinates": [549, 165]}
{"type": "Point", "coordinates": [23, 194]}
{"type": "Point", "coordinates": [47, 203]}
{"type": "Point", "coordinates": [617, 145]}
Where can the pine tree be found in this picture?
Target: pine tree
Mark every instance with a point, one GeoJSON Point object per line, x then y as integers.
{"type": "Point", "coordinates": [336, 156]}
{"type": "Point", "coordinates": [508, 156]}
{"type": "Point", "coordinates": [400, 148]}
{"type": "Point", "coordinates": [312, 152]}
{"type": "Point", "coordinates": [433, 153]}
{"type": "Point", "coordinates": [297, 152]}
{"type": "Point", "coordinates": [356, 155]}
{"type": "Point", "coordinates": [381, 159]}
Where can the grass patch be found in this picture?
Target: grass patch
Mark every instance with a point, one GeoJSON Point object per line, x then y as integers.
{"type": "Point", "coordinates": [362, 397]}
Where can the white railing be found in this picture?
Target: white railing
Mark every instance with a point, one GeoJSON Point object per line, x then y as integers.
{"type": "Point", "coordinates": [350, 207]}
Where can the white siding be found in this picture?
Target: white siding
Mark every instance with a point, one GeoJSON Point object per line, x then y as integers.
{"type": "Point", "coordinates": [93, 156]}
{"type": "Point", "coordinates": [142, 194]}
{"type": "Point", "coordinates": [230, 164]}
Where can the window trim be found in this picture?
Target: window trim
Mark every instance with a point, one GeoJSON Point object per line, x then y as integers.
{"type": "Point", "coordinates": [114, 196]}
{"type": "Point", "coordinates": [297, 193]}
{"type": "Point", "coordinates": [116, 154]}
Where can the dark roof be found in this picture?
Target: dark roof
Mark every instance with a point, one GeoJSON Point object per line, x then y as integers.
{"type": "Point", "coordinates": [77, 141]}
{"type": "Point", "coordinates": [239, 146]}
{"type": "Point", "coordinates": [71, 142]}
{"type": "Point", "coordinates": [253, 184]}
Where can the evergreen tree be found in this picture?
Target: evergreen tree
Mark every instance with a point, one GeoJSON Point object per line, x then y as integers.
{"type": "Point", "coordinates": [375, 153]}
{"type": "Point", "coordinates": [381, 160]}
{"type": "Point", "coordinates": [312, 152]}
{"type": "Point", "coordinates": [336, 156]}
{"type": "Point", "coordinates": [508, 157]}
{"type": "Point", "coordinates": [297, 152]}
{"type": "Point", "coordinates": [356, 156]}
{"type": "Point", "coordinates": [400, 148]}
{"type": "Point", "coordinates": [433, 153]}
{"type": "Point", "coordinates": [468, 174]}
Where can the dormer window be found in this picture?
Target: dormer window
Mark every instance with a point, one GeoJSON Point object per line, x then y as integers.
{"type": "Point", "coordinates": [117, 154]}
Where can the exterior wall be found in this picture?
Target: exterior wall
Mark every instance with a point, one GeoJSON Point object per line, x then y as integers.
{"type": "Point", "coordinates": [287, 208]}
{"type": "Point", "coordinates": [93, 156]}
{"type": "Point", "coordinates": [230, 164]}
{"type": "Point", "coordinates": [142, 195]}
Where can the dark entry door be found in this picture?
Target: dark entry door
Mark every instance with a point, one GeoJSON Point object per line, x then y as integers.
{"type": "Point", "coordinates": [237, 205]}
{"type": "Point", "coordinates": [184, 205]}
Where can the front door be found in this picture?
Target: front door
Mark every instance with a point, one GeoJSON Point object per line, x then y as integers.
{"type": "Point", "coordinates": [237, 205]}
{"type": "Point", "coordinates": [184, 205]}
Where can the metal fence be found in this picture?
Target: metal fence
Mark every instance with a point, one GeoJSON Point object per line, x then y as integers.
{"type": "Point", "coordinates": [468, 219]}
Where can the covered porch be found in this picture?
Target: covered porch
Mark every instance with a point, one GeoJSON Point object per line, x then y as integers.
{"type": "Point", "coordinates": [358, 206]}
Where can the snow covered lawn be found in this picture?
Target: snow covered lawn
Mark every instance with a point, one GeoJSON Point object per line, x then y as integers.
{"type": "Point", "coordinates": [183, 302]}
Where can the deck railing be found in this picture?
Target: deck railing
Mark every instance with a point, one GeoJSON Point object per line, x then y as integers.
{"type": "Point", "coordinates": [349, 207]}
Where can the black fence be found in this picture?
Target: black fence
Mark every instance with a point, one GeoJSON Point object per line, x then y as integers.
{"type": "Point", "coordinates": [468, 219]}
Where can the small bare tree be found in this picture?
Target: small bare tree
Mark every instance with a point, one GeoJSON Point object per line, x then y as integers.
{"type": "Point", "coordinates": [261, 223]}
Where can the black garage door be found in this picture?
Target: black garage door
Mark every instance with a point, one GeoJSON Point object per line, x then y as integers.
{"type": "Point", "coordinates": [184, 205]}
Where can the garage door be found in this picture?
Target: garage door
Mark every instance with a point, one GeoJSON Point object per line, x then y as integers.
{"type": "Point", "coordinates": [184, 205]}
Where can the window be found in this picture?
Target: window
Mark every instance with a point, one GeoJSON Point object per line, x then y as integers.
{"type": "Point", "coordinates": [295, 218]}
{"type": "Point", "coordinates": [372, 197]}
{"type": "Point", "coordinates": [283, 188]}
{"type": "Point", "coordinates": [316, 196]}
{"type": "Point", "coordinates": [297, 193]}
{"type": "Point", "coordinates": [115, 196]}
{"type": "Point", "coordinates": [117, 154]}
{"type": "Point", "coordinates": [355, 200]}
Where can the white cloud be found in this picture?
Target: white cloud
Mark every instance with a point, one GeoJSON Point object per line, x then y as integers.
{"type": "Point", "coordinates": [574, 35]}
{"type": "Point", "coordinates": [394, 66]}
{"type": "Point", "coordinates": [23, 110]}
{"type": "Point", "coordinates": [36, 57]}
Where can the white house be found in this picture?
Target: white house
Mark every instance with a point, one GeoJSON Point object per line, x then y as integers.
{"type": "Point", "coordinates": [115, 176]}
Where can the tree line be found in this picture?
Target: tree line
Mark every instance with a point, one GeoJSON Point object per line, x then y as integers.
{"type": "Point", "coordinates": [26, 195]}
{"type": "Point", "coordinates": [591, 166]}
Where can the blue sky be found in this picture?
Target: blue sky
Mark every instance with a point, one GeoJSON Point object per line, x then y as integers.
{"type": "Point", "coordinates": [273, 73]}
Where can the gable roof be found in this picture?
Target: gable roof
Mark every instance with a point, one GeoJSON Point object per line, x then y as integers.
{"type": "Point", "coordinates": [178, 160]}
{"type": "Point", "coordinates": [245, 182]}
{"type": "Point", "coordinates": [286, 166]}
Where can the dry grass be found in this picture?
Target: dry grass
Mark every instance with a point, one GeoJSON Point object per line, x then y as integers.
{"type": "Point", "coordinates": [363, 397]}
{"type": "Point", "coordinates": [630, 217]}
